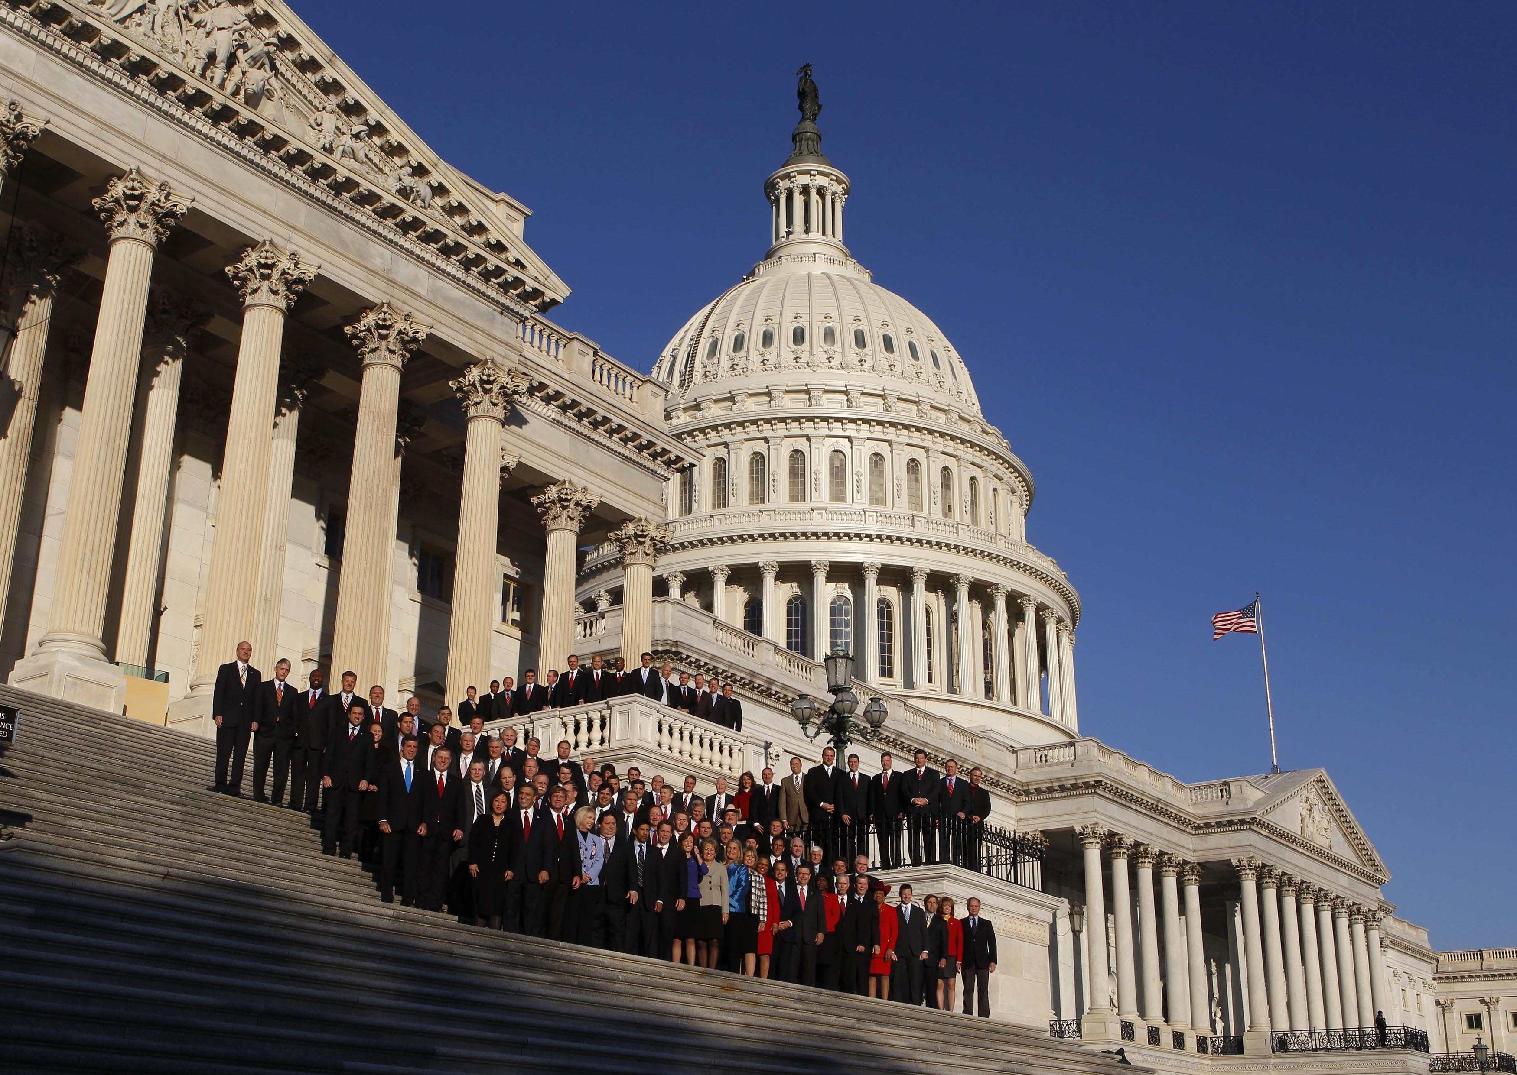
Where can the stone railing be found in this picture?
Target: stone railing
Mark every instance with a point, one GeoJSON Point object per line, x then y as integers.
{"type": "Point", "coordinates": [582, 360]}
{"type": "Point", "coordinates": [1477, 959]}
{"type": "Point", "coordinates": [592, 627]}
{"type": "Point", "coordinates": [1032, 762]}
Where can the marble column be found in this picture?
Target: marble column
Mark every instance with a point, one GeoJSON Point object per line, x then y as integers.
{"type": "Point", "coordinates": [486, 391]}
{"type": "Point", "coordinates": [70, 661]}
{"type": "Point", "coordinates": [1176, 987]}
{"type": "Point", "coordinates": [33, 271]}
{"type": "Point", "coordinates": [964, 659]}
{"type": "Point", "coordinates": [1379, 995]}
{"type": "Point", "coordinates": [919, 628]}
{"type": "Point", "coordinates": [1332, 990]}
{"type": "Point", "coordinates": [1148, 937]}
{"type": "Point", "coordinates": [17, 133]}
{"type": "Point", "coordinates": [1067, 674]}
{"type": "Point", "coordinates": [385, 339]}
{"type": "Point", "coordinates": [166, 342]}
{"type": "Point", "coordinates": [820, 613]}
{"type": "Point", "coordinates": [1099, 1018]}
{"type": "Point", "coordinates": [1031, 688]}
{"type": "Point", "coordinates": [1345, 945]}
{"type": "Point", "coordinates": [1018, 642]}
{"type": "Point", "coordinates": [1295, 973]}
{"type": "Point", "coordinates": [769, 571]}
{"type": "Point", "coordinates": [870, 665]}
{"type": "Point", "coordinates": [1362, 986]}
{"type": "Point", "coordinates": [1311, 957]}
{"type": "Point", "coordinates": [1055, 665]}
{"type": "Point", "coordinates": [1274, 953]}
{"type": "Point", "coordinates": [640, 541]}
{"type": "Point", "coordinates": [719, 575]}
{"type": "Point", "coordinates": [1121, 906]}
{"type": "Point", "coordinates": [1001, 650]}
{"type": "Point", "coordinates": [563, 508]}
{"type": "Point", "coordinates": [675, 583]}
{"type": "Point", "coordinates": [1253, 956]}
{"type": "Point", "coordinates": [1195, 947]}
{"type": "Point", "coordinates": [270, 280]}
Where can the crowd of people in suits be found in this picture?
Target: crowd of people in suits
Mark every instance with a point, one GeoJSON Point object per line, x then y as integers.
{"type": "Point", "coordinates": [770, 879]}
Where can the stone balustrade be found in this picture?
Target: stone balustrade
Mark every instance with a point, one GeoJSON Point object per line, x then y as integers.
{"type": "Point", "coordinates": [585, 363]}
{"type": "Point", "coordinates": [1477, 959]}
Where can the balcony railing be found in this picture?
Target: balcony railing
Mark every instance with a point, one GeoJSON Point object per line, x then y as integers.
{"type": "Point", "coordinates": [1470, 1062]}
{"type": "Point", "coordinates": [1219, 1044]}
{"type": "Point", "coordinates": [1351, 1040]}
{"type": "Point", "coordinates": [933, 839]}
{"type": "Point", "coordinates": [1065, 1029]}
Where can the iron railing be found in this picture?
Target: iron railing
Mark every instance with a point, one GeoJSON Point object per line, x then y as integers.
{"type": "Point", "coordinates": [1470, 1062]}
{"type": "Point", "coordinates": [1177, 1039]}
{"type": "Point", "coordinates": [1129, 1031]}
{"type": "Point", "coordinates": [932, 839]}
{"type": "Point", "coordinates": [1352, 1039]}
{"type": "Point", "coordinates": [1155, 1036]}
{"type": "Point", "coordinates": [1064, 1028]}
{"type": "Point", "coordinates": [1219, 1044]}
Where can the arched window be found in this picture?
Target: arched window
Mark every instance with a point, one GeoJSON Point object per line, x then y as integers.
{"type": "Point", "coordinates": [766, 340]}
{"type": "Point", "coordinates": [829, 337]}
{"type": "Point", "coordinates": [945, 491]}
{"type": "Point", "coordinates": [995, 510]}
{"type": "Point", "coordinates": [687, 371]}
{"type": "Point", "coordinates": [885, 631]}
{"type": "Point", "coordinates": [758, 479]}
{"type": "Point", "coordinates": [798, 336]}
{"type": "Point", "coordinates": [687, 491]}
{"type": "Point", "coordinates": [860, 340]}
{"type": "Point", "coordinates": [719, 482]}
{"type": "Point", "coordinates": [936, 363]}
{"type": "Point", "coordinates": [711, 349]}
{"type": "Point", "coordinates": [974, 501]}
{"type": "Point", "coordinates": [990, 664]}
{"type": "Point", "coordinates": [929, 646]}
{"type": "Point", "coordinates": [877, 480]}
{"type": "Point", "coordinates": [837, 477]}
{"type": "Point", "coordinates": [911, 346]}
{"type": "Point", "coordinates": [840, 624]}
{"type": "Point", "coordinates": [796, 476]}
{"type": "Point", "coordinates": [739, 341]}
{"type": "Point", "coordinates": [914, 484]}
{"type": "Point", "coordinates": [889, 343]}
{"type": "Point", "coordinates": [795, 624]}
{"type": "Point", "coordinates": [753, 616]}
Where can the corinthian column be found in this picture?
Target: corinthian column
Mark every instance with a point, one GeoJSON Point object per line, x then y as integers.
{"type": "Point", "coordinates": [919, 628]}
{"type": "Point", "coordinates": [1055, 675]}
{"type": "Point", "coordinates": [1001, 650]}
{"type": "Point", "coordinates": [1311, 957]}
{"type": "Point", "coordinates": [1378, 998]}
{"type": "Point", "coordinates": [270, 279]}
{"type": "Point", "coordinates": [1067, 674]}
{"type": "Point", "coordinates": [1200, 1008]}
{"type": "Point", "coordinates": [1032, 696]}
{"type": "Point", "coordinates": [167, 342]}
{"type": "Point", "coordinates": [1148, 936]}
{"type": "Point", "coordinates": [769, 571]}
{"type": "Point", "coordinates": [71, 661]}
{"type": "Point", "coordinates": [719, 575]}
{"type": "Point", "coordinates": [1253, 957]}
{"type": "Point", "coordinates": [1175, 988]}
{"type": "Point", "coordinates": [1362, 984]}
{"type": "Point", "coordinates": [1274, 955]}
{"type": "Point", "coordinates": [819, 610]}
{"type": "Point", "coordinates": [563, 508]}
{"type": "Point", "coordinates": [1098, 987]}
{"type": "Point", "coordinates": [1345, 945]}
{"type": "Point", "coordinates": [965, 656]}
{"type": "Point", "coordinates": [32, 271]}
{"type": "Point", "coordinates": [641, 541]}
{"type": "Point", "coordinates": [486, 391]}
{"type": "Point", "coordinates": [1295, 973]}
{"type": "Point", "coordinates": [1332, 991]}
{"type": "Point", "coordinates": [17, 133]}
{"type": "Point", "coordinates": [385, 339]}
{"type": "Point", "coordinates": [871, 662]}
{"type": "Point", "coordinates": [675, 581]}
{"type": "Point", "coordinates": [1121, 907]}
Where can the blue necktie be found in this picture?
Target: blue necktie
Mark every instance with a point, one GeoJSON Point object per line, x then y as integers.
{"type": "Point", "coordinates": [408, 776]}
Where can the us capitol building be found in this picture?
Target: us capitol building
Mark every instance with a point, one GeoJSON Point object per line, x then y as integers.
{"type": "Point", "coordinates": [273, 369]}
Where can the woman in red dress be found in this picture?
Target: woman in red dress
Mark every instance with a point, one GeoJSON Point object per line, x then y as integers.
{"type": "Point", "coordinates": [744, 797]}
{"type": "Point", "coordinates": [947, 934]}
{"type": "Point", "coordinates": [765, 907]}
{"type": "Point", "coordinates": [883, 962]}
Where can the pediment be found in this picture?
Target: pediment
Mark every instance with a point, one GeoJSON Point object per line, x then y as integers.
{"type": "Point", "coordinates": [255, 68]}
{"type": "Point", "coordinates": [1309, 806]}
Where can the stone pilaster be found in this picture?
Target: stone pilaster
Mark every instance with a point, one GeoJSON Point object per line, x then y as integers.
{"type": "Point", "coordinates": [1001, 650]}
{"type": "Point", "coordinates": [1295, 973]}
{"type": "Point", "coordinates": [486, 390]}
{"type": "Point", "coordinates": [17, 133]}
{"type": "Point", "coordinates": [1067, 675]}
{"type": "Point", "coordinates": [1200, 996]}
{"type": "Point", "coordinates": [919, 628]}
{"type": "Point", "coordinates": [1055, 671]}
{"type": "Point", "coordinates": [719, 576]}
{"type": "Point", "coordinates": [167, 340]}
{"type": "Point", "coordinates": [1031, 696]}
{"type": "Point", "coordinates": [1362, 984]}
{"type": "Point", "coordinates": [1121, 908]}
{"type": "Point", "coordinates": [1344, 943]}
{"type": "Point", "coordinates": [1100, 1019]}
{"type": "Point", "coordinates": [32, 271]}
{"type": "Point", "coordinates": [1175, 971]}
{"type": "Point", "coordinates": [641, 541]}
{"type": "Point", "coordinates": [563, 508]}
{"type": "Point", "coordinates": [1148, 936]}
{"type": "Point", "coordinates": [1311, 957]}
{"type": "Point", "coordinates": [385, 339]}
{"type": "Point", "coordinates": [870, 665]}
{"type": "Point", "coordinates": [964, 658]}
{"type": "Point", "coordinates": [70, 661]}
{"type": "Point", "coordinates": [1256, 1040]}
{"type": "Point", "coordinates": [768, 571]}
{"type": "Point", "coordinates": [1332, 988]}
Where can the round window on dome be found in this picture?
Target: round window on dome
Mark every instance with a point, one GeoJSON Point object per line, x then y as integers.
{"type": "Point", "coordinates": [859, 339]}
{"type": "Point", "coordinates": [889, 342]}
{"type": "Point", "coordinates": [739, 342]}
{"type": "Point", "coordinates": [798, 336]}
{"type": "Point", "coordinates": [829, 337]}
{"type": "Point", "coordinates": [766, 340]}
{"type": "Point", "coordinates": [911, 346]}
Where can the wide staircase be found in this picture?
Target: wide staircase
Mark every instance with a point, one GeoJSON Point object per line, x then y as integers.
{"type": "Point", "coordinates": [147, 924]}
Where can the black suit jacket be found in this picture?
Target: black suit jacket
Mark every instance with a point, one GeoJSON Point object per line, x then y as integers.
{"type": "Point", "coordinates": [958, 799]}
{"type": "Point", "coordinates": [885, 802]}
{"type": "Point", "coordinates": [280, 719]}
{"type": "Point", "coordinates": [560, 857]}
{"type": "Point", "coordinates": [652, 687]}
{"type": "Point", "coordinates": [233, 699]}
{"type": "Point", "coordinates": [334, 716]}
{"type": "Point", "coordinates": [594, 691]}
{"type": "Point", "coordinates": [979, 803]}
{"type": "Point", "coordinates": [860, 925]}
{"type": "Point", "coordinates": [851, 801]}
{"type": "Point", "coordinates": [466, 710]}
{"type": "Point", "coordinates": [911, 940]}
{"type": "Point", "coordinates": [929, 786]}
{"type": "Point", "coordinates": [388, 719]}
{"type": "Point", "coordinates": [347, 758]}
{"type": "Point", "coordinates": [762, 808]}
{"type": "Point", "coordinates": [567, 692]}
{"type": "Point", "coordinates": [809, 921]}
{"type": "Point", "coordinates": [979, 943]}
{"type": "Point", "coordinates": [401, 808]}
{"type": "Point", "coordinates": [671, 875]}
{"type": "Point", "coordinates": [647, 892]}
{"type": "Point", "coordinates": [310, 723]}
{"type": "Point", "coordinates": [441, 814]}
{"type": "Point", "coordinates": [821, 787]}
{"type": "Point", "coordinates": [516, 860]}
{"type": "Point", "coordinates": [526, 702]}
{"type": "Point", "coordinates": [683, 802]}
{"type": "Point", "coordinates": [702, 706]}
{"type": "Point", "coordinates": [732, 717]}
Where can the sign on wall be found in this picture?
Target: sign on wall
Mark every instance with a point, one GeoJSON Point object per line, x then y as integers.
{"type": "Point", "coordinates": [10, 722]}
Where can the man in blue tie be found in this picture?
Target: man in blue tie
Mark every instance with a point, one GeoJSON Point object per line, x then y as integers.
{"type": "Point", "coordinates": [400, 824]}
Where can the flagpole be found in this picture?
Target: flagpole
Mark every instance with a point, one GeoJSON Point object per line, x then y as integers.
{"type": "Point", "coordinates": [1269, 703]}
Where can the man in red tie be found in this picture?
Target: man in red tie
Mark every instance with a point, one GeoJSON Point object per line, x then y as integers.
{"type": "Point", "coordinates": [888, 811]}
{"type": "Point", "coordinates": [346, 779]}
{"type": "Point", "coordinates": [806, 912]}
{"type": "Point", "coordinates": [276, 719]}
{"type": "Point", "coordinates": [552, 865]}
{"type": "Point", "coordinates": [853, 811]}
{"type": "Point", "coordinates": [311, 730]}
{"type": "Point", "coordinates": [955, 813]}
{"type": "Point", "coordinates": [442, 829]}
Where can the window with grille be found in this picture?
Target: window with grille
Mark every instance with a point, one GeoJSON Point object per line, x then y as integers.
{"type": "Point", "coordinates": [434, 573]}
{"type": "Point", "coordinates": [796, 478]}
{"type": "Point", "coordinates": [988, 658]}
{"type": "Point", "coordinates": [885, 629]}
{"type": "Point", "coordinates": [945, 491]}
{"type": "Point", "coordinates": [914, 485]}
{"type": "Point", "coordinates": [687, 491]}
{"type": "Point", "coordinates": [840, 635]}
{"type": "Point", "coordinates": [795, 624]}
{"type": "Point", "coordinates": [753, 616]}
{"type": "Point", "coordinates": [974, 501]}
{"type": "Point", "coordinates": [758, 479]}
{"type": "Point", "coordinates": [877, 480]}
{"type": "Point", "coordinates": [837, 477]}
{"type": "Point", "coordinates": [719, 482]}
{"type": "Point", "coordinates": [928, 644]}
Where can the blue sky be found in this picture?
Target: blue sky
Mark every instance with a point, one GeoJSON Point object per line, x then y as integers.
{"type": "Point", "coordinates": [1236, 280]}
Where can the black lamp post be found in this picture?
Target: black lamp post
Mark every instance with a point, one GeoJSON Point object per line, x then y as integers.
{"type": "Point", "coordinates": [836, 720]}
{"type": "Point", "coordinates": [1482, 1055]}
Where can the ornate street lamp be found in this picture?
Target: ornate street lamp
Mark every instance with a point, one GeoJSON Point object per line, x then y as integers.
{"type": "Point", "coordinates": [837, 719]}
{"type": "Point", "coordinates": [1482, 1056]}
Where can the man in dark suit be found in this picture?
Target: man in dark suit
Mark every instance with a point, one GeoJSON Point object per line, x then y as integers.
{"type": "Point", "coordinates": [910, 950]}
{"type": "Point", "coordinates": [700, 705]}
{"type": "Point", "coordinates": [346, 779]}
{"type": "Point", "coordinates": [669, 863]}
{"type": "Point", "coordinates": [441, 829]}
{"type": "Point", "coordinates": [505, 702]}
{"type": "Point", "coordinates": [853, 808]}
{"type": "Point", "coordinates": [732, 709]}
{"type": "Point", "coordinates": [647, 681]}
{"type": "Point", "coordinates": [684, 802]}
{"type": "Point", "coordinates": [530, 697]}
{"type": "Point", "coordinates": [570, 687]}
{"type": "Point", "coordinates": [485, 706]}
{"type": "Point", "coordinates": [621, 681]}
{"type": "Point", "coordinates": [859, 932]}
{"type": "Point", "coordinates": [804, 910]}
{"type": "Point", "coordinates": [979, 959]}
{"type": "Point", "coordinates": [310, 742]}
{"type": "Point", "coordinates": [976, 812]}
{"type": "Point", "coordinates": [887, 812]}
{"type": "Point", "coordinates": [822, 788]}
{"type": "Point", "coordinates": [521, 820]}
{"type": "Point", "coordinates": [378, 713]}
{"type": "Point", "coordinates": [681, 696]}
{"type": "Point", "coordinates": [598, 685]}
{"type": "Point", "coordinates": [470, 705]}
{"type": "Point", "coordinates": [563, 750]}
{"type": "Point", "coordinates": [552, 865]}
{"type": "Point", "coordinates": [512, 754]}
{"type": "Point", "coordinates": [639, 887]}
{"type": "Point", "coordinates": [232, 711]}
{"type": "Point", "coordinates": [400, 824]}
{"type": "Point", "coordinates": [717, 804]}
{"type": "Point", "coordinates": [955, 798]}
{"type": "Point", "coordinates": [275, 728]}
{"type": "Point", "coordinates": [613, 880]}
{"type": "Point", "coordinates": [921, 794]}
{"type": "Point", "coordinates": [764, 801]}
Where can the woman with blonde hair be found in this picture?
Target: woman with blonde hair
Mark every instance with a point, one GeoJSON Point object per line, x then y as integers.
{"type": "Point", "coordinates": [945, 946]}
{"type": "Point", "coordinates": [712, 886]}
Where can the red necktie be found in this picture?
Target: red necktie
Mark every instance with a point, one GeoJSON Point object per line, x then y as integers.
{"type": "Point", "coordinates": [803, 899]}
{"type": "Point", "coordinates": [440, 785]}
{"type": "Point", "coordinates": [559, 819]}
{"type": "Point", "coordinates": [278, 693]}
{"type": "Point", "coordinates": [312, 703]}
{"type": "Point", "coordinates": [526, 827]}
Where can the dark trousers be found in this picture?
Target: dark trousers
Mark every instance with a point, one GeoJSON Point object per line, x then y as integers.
{"type": "Point", "coordinates": [924, 842]}
{"type": "Point", "coordinates": [976, 984]}
{"type": "Point", "coordinates": [829, 972]}
{"type": "Point", "coordinates": [340, 831]}
{"type": "Point", "coordinates": [298, 776]}
{"type": "Point", "coordinates": [888, 831]}
{"type": "Point", "coordinates": [510, 906]}
{"type": "Point", "coordinates": [268, 748]}
{"type": "Point", "coordinates": [973, 834]}
{"type": "Point", "coordinates": [640, 933]}
{"type": "Point", "coordinates": [231, 755]}
{"type": "Point", "coordinates": [435, 858]}
{"type": "Point", "coordinates": [557, 896]}
{"type": "Point", "coordinates": [785, 966]}
{"type": "Point", "coordinates": [906, 984]}
{"type": "Point", "coordinates": [858, 963]}
{"type": "Point", "coordinates": [535, 899]}
{"type": "Point", "coordinates": [613, 924]}
{"type": "Point", "coordinates": [399, 854]}
{"type": "Point", "coordinates": [806, 967]}
{"type": "Point", "coordinates": [582, 915]}
{"type": "Point", "coordinates": [312, 762]}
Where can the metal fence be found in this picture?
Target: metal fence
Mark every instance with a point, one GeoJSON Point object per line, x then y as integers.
{"type": "Point", "coordinates": [933, 839]}
{"type": "Point", "coordinates": [1353, 1039]}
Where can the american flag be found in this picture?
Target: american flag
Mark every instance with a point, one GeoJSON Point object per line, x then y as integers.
{"type": "Point", "coordinates": [1243, 620]}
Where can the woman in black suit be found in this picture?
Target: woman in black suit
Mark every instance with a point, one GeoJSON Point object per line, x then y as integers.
{"type": "Point", "coordinates": [368, 803]}
{"type": "Point", "coordinates": [489, 855]}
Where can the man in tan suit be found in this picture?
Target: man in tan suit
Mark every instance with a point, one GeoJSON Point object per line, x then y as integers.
{"type": "Point", "coordinates": [793, 800]}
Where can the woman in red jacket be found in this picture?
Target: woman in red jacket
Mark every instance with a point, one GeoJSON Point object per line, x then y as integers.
{"type": "Point", "coordinates": [945, 940]}
{"type": "Point", "coordinates": [743, 800]}
{"type": "Point", "coordinates": [883, 961]}
{"type": "Point", "coordinates": [764, 905]}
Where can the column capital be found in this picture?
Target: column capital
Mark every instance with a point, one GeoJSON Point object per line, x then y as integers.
{"type": "Point", "coordinates": [1373, 919]}
{"type": "Point", "coordinates": [1356, 914]}
{"type": "Point", "coordinates": [676, 578]}
{"type": "Point", "coordinates": [1247, 868]}
{"type": "Point", "coordinates": [1288, 886]}
{"type": "Point", "coordinates": [640, 540]}
{"type": "Point", "coordinates": [487, 389]}
{"type": "Point", "coordinates": [509, 461]}
{"type": "Point", "coordinates": [565, 505]}
{"type": "Point", "coordinates": [134, 207]}
{"type": "Point", "coordinates": [820, 567]}
{"type": "Point", "coordinates": [1306, 892]}
{"type": "Point", "coordinates": [1169, 865]}
{"type": "Point", "coordinates": [1340, 907]}
{"type": "Point", "coordinates": [769, 567]}
{"type": "Point", "coordinates": [919, 576]}
{"type": "Point", "coordinates": [1029, 604]}
{"type": "Point", "coordinates": [1049, 616]}
{"type": "Point", "coordinates": [1145, 855]}
{"type": "Point", "coordinates": [1119, 845]}
{"type": "Point", "coordinates": [34, 264]}
{"type": "Point", "coordinates": [720, 572]}
{"type": "Point", "coordinates": [1190, 873]}
{"type": "Point", "coordinates": [999, 592]}
{"type": "Point", "coordinates": [963, 582]}
{"type": "Point", "coordinates": [602, 599]}
{"type": "Point", "coordinates": [1091, 835]}
{"type": "Point", "coordinates": [385, 336]}
{"type": "Point", "coordinates": [17, 133]}
{"type": "Point", "coordinates": [871, 572]}
{"type": "Point", "coordinates": [1269, 877]}
{"type": "Point", "coordinates": [266, 275]}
